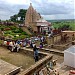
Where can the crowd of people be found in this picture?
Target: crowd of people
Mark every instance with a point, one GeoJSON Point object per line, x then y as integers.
{"type": "Point", "coordinates": [12, 45]}
{"type": "Point", "coordinates": [31, 42]}
{"type": "Point", "coordinates": [35, 49]}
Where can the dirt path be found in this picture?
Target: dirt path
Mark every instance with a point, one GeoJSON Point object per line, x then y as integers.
{"type": "Point", "coordinates": [18, 59]}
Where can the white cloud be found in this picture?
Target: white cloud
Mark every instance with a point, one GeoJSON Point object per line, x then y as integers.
{"type": "Point", "coordinates": [50, 9]}
{"type": "Point", "coordinates": [17, 1]}
{"type": "Point", "coordinates": [59, 16]}
{"type": "Point", "coordinates": [48, 17]}
{"type": "Point", "coordinates": [61, 1]}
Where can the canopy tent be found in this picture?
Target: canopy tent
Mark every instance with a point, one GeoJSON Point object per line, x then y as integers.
{"type": "Point", "coordinates": [69, 56]}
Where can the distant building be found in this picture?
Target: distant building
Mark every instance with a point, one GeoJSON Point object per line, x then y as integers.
{"type": "Point", "coordinates": [35, 21]}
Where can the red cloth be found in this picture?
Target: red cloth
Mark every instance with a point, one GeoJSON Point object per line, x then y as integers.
{"type": "Point", "coordinates": [8, 43]}
{"type": "Point", "coordinates": [72, 71]}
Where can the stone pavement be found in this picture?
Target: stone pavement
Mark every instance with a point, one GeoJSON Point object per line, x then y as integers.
{"type": "Point", "coordinates": [63, 69]}
{"type": "Point", "coordinates": [6, 68]}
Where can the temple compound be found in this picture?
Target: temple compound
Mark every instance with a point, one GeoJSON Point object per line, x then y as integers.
{"type": "Point", "coordinates": [36, 21]}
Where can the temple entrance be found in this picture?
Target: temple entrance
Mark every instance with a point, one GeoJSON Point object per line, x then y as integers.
{"type": "Point", "coordinates": [38, 29]}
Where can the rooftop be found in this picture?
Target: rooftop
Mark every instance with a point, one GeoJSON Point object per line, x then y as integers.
{"type": "Point", "coordinates": [71, 49]}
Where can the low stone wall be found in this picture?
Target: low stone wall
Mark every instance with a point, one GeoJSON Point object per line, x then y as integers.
{"type": "Point", "coordinates": [15, 71]}
{"type": "Point", "coordinates": [29, 52]}
{"type": "Point", "coordinates": [39, 65]}
{"type": "Point", "coordinates": [61, 47]}
{"type": "Point", "coordinates": [8, 69]}
{"type": "Point", "coordinates": [73, 42]}
{"type": "Point", "coordinates": [54, 39]}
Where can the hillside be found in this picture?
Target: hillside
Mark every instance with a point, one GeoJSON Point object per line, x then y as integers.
{"type": "Point", "coordinates": [59, 23]}
{"type": "Point", "coordinates": [26, 30]}
{"type": "Point", "coordinates": [14, 32]}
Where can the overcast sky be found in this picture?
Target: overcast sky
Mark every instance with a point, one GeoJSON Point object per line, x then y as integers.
{"type": "Point", "coordinates": [49, 9]}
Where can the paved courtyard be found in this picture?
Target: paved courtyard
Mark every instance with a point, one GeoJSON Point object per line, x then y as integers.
{"type": "Point", "coordinates": [18, 59]}
{"type": "Point", "coordinates": [63, 69]}
{"type": "Point", "coordinates": [6, 67]}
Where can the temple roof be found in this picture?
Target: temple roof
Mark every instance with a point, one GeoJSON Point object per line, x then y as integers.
{"type": "Point", "coordinates": [31, 15]}
{"type": "Point", "coordinates": [41, 20]}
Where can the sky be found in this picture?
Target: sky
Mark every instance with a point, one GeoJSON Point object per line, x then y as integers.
{"type": "Point", "coordinates": [49, 9]}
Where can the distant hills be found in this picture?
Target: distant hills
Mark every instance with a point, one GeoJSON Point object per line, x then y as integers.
{"type": "Point", "coordinates": [61, 20]}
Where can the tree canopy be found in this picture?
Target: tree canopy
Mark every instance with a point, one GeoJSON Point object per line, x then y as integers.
{"type": "Point", "coordinates": [19, 17]}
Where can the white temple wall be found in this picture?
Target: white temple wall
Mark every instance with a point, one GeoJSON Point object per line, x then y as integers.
{"type": "Point", "coordinates": [69, 59]}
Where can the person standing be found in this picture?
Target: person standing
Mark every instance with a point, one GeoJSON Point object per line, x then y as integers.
{"type": "Point", "coordinates": [35, 53]}
{"type": "Point", "coordinates": [73, 37]}
{"type": "Point", "coordinates": [31, 44]}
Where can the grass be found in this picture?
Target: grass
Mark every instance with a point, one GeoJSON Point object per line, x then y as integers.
{"type": "Point", "coordinates": [13, 31]}
{"type": "Point", "coordinates": [61, 23]}
{"type": "Point", "coordinates": [1, 42]}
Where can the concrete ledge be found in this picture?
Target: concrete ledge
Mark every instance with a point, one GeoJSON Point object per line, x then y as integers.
{"type": "Point", "coordinates": [39, 64]}
{"type": "Point", "coordinates": [29, 51]}
{"type": "Point", "coordinates": [8, 69]}
{"type": "Point", "coordinates": [73, 42]}
{"type": "Point", "coordinates": [15, 71]}
{"type": "Point", "coordinates": [61, 47]}
{"type": "Point", "coordinates": [51, 50]}
{"type": "Point", "coordinates": [36, 67]}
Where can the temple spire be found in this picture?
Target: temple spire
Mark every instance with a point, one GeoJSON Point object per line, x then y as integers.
{"type": "Point", "coordinates": [31, 15]}
{"type": "Point", "coordinates": [30, 4]}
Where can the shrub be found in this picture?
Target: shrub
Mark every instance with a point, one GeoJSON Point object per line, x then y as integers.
{"type": "Point", "coordinates": [24, 33]}
{"type": "Point", "coordinates": [13, 27]}
{"type": "Point", "coordinates": [22, 37]}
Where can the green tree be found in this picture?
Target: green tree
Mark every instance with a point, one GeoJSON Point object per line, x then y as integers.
{"type": "Point", "coordinates": [14, 18]}
{"type": "Point", "coordinates": [21, 14]}
{"type": "Point", "coordinates": [0, 20]}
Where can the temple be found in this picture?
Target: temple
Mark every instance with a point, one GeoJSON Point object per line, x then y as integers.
{"type": "Point", "coordinates": [36, 21]}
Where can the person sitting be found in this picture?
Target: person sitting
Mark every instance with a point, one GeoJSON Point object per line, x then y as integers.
{"type": "Point", "coordinates": [17, 46]}
{"type": "Point", "coordinates": [41, 45]}
{"type": "Point", "coordinates": [10, 45]}
{"type": "Point", "coordinates": [73, 37]}
{"type": "Point", "coordinates": [5, 42]}
{"type": "Point", "coordinates": [31, 44]}
{"type": "Point", "coordinates": [24, 43]}
{"type": "Point", "coordinates": [49, 34]}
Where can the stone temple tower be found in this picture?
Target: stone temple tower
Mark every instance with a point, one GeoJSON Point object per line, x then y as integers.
{"type": "Point", "coordinates": [31, 16]}
{"type": "Point", "coordinates": [35, 21]}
